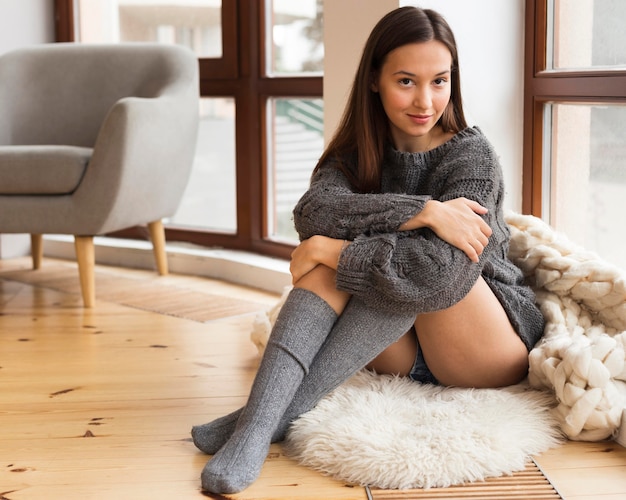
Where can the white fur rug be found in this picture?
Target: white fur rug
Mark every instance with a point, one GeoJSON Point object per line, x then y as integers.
{"type": "Point", "coordinates": [393, 433]}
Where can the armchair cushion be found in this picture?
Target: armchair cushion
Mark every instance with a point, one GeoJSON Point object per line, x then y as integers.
{"type": "Point", "coordinates": [42, 169]}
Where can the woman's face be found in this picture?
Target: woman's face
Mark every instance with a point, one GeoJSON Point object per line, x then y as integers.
{"type": "Point", "coordinates": [414, 87]}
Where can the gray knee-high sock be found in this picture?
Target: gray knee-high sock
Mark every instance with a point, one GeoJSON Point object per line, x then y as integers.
{"type": "Point", "coordinates": [303, 324]}
{"type": "Point", "coordinates": [359, 335]}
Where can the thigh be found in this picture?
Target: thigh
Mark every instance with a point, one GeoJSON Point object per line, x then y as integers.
{"type": "Point", "coordinates": [398, 358]}
{"type": "Point", "coordinates": [472, 344]}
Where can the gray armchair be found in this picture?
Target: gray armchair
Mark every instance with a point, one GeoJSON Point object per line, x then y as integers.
{"type": "Point", "coordinates": [94, 139]}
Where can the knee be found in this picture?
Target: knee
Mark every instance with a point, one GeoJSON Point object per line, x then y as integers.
{"type": "Point", "coordinates": [321, 281]}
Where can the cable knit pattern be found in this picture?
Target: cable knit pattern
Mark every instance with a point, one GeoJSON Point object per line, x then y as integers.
{"type": "Point", "coordinates": [416, 270]}
{"type": "Point", "coordinates": [582, 356]}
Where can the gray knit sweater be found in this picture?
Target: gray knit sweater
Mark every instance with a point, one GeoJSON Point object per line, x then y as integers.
{"type": "Point", "coordinates": [416, 270]}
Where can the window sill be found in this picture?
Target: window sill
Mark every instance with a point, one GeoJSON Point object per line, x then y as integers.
{"type": "Point", "coordinates": [243, 268]}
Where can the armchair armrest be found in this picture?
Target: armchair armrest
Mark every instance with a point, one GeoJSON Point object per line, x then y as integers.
{"type": "Point", "coordinates": [141, 160]}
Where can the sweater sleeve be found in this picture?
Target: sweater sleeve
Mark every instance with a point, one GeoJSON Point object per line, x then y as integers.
{"type": "Point", "coordinates": [332, 208]}
{"type": "Point", "coordinates": [417, 270]}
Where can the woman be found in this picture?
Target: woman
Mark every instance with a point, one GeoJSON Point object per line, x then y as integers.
{"type": "Point", "coordinates": [402, 265]}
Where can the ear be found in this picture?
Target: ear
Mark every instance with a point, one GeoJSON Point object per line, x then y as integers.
{"type": "Point", "coordinates": [374, 82]}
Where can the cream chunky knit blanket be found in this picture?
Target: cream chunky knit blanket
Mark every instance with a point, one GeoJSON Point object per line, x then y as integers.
{"type": "Point", "coordinates": [581, 357]}
{"type": "Point", "coordinates": [582, 354]}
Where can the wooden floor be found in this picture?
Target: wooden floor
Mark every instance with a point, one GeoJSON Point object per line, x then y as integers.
{"type": "Point", "coordinates": [98, 403]}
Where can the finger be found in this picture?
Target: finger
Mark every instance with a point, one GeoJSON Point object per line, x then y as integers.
{"type": "Point", "coordinates": [293, 267]}
{"type": "Point", "coordinates": [483, 239]}
{"type": "Point", "coordinates": [479, 248]}
{"type": "Point", "coordinates": [296, 274]}
{"type": "Point", "coordinates": [477, 207]}
{"type": "Point", "coordinates": [471, 253]}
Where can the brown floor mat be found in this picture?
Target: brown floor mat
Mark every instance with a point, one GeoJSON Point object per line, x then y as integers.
{"type": "Point", "coordinates": [148, 295]}
{"type": "Point", "coordinates": [529, 484]}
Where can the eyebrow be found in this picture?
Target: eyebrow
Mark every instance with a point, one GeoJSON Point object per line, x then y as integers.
{"type": "Point", "coordinates": [408, 73]}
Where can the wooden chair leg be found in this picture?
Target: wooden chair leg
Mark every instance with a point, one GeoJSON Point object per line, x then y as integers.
{"type": "Point", "coordinates": [157, 235]}
{"type": "Point", "coordinates": [86, 258]}
{"type": "Point", "coordinates": [36, 249]}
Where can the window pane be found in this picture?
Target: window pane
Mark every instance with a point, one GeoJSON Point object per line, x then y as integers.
{"type": "Point", "coordinates": [210, 200]}
{"type": "Point", "coordinates": [295, 143]}
{"type": "Point", "coordinates": [588, 177]}
{"type": "Point", "coordinates": [195, 24]}
{"type": "Point", "coordinates": [295, 37]}
{"type": "Point", "coordinates": [586, 34]}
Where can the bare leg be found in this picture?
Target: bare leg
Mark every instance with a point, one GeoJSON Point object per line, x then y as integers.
{"type": "Point", "coordinates": [321, 281]}
{"type": "Point", "coordinates": [398, 358]}
{"type": "Point", "coordinates": [471, 344]}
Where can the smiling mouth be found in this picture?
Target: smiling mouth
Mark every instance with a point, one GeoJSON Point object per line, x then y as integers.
{"type": "Point", "coordinates": [420, 118]}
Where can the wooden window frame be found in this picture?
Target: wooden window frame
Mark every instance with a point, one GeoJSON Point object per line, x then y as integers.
{"type": "Point", "coordinates": [239, 74]}
{"type": "Point", "coordinates": [542, 87]}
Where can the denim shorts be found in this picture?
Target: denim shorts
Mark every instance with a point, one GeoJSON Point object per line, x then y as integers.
{"type": "Point", "coordinates": [420, 371]}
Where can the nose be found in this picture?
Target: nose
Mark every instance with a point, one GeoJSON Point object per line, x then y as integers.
{"type": "Point", "coordinates": [422, 98]}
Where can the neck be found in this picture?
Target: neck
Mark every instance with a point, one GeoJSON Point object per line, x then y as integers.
{"type": "Point", "coordinates": [430, 140]}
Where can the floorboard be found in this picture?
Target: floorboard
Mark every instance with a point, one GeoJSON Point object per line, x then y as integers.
{"type": "Point", "coordinates": [98, 403]}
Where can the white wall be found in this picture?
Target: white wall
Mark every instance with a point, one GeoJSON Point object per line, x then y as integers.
{"type": "Point", "coordinates": [490, 37]}
{"type": "Point", "coordinates": [25, 22]}
{"type": "Point", "coordinates": [22, 23]}
{"type": "Point", "coordinates": [347, 24]}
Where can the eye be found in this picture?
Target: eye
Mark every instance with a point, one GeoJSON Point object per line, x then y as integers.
{"type": "Point", "coordinates": [405, 82]}
{"type": "Point", "coordinates": [440, 82]}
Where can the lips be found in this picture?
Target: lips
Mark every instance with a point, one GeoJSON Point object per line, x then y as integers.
{"type": "Point", "coordinates": [420, 119]}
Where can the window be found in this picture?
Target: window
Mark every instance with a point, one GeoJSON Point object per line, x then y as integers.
{"type": "Point", "coordinates": [261, 111]}
{"type": "Point", "coordinates": [295, 141]}
{"type": "Point", "coordinates": [575, 121]}
{"type": "Point", "coordinates": [295, 126]}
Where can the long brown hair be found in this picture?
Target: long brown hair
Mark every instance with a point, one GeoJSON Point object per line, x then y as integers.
{"type": "Point", "coordinates": [359, 142]}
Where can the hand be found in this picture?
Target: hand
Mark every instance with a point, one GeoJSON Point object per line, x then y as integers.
{"type": "Point", "coordinates": [457, 222]}
{"type": "Point", "coordinates": [312, 252]}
